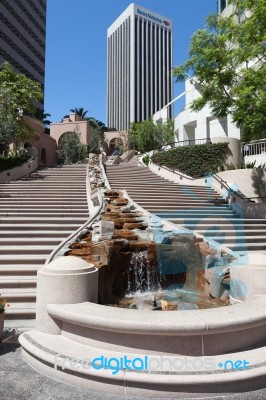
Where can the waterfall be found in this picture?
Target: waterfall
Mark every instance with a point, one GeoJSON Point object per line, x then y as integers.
{"type": "Point", "coordinates": [142, 275]}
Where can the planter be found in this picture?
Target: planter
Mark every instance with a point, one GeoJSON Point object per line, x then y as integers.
{"type": "Point", "coordinates": [2, 317]}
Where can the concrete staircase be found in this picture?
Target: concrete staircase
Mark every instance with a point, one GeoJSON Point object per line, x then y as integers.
{"type": "Point", "coordinates": [37, 212]}
{"type": "Point", "coordinates": [196, 208]}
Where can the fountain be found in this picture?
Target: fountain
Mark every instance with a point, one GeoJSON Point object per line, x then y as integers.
{"type": "Point", "coordinates": [132, 265]}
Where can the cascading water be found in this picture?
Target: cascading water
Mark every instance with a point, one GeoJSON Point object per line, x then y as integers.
{"type": "Point", "coordinates": [142, 275]}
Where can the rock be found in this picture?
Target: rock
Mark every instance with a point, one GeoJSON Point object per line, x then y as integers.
{"type": "Point", "coordinates": [102, 230]}
{"type": "Point", "coordinates": [111, 193]}
{"type": "Point", "coordinates": [205, 249]}
{"type": "Point", "coordinates": [168, 305]}
{"type": "Point", "coordinates": [135, 225]}
{"type": "Point", "coordinates": [120, 202]}
{"type": "Point", "coordinates": [128, 208]}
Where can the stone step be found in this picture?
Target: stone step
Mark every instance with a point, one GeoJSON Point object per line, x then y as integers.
{"type": "Point", "coordinates": [14, 298]}
{"type": "Point", "coordinates": [19, 269]}
{"type": "Point", "coordinates": [197, 211]}
{"type": "Point", "coordinates": [44, 202]}
{"type": "Point", "coordinates": [18, 281]}
{"type": "Point", "coordinates": [44, 214]}
{"type": "Point", "coordinates": [42, 207]}
{"type": "Point", "coordinates": [43, 184]}
{"type": "Point", "coordinates": [237, 239]}
{"type": "Point", "coordinates": [35, 259]}
{"type": "Point", "coordinates": [29, 226]}
{"type": "Point", "coordinates": [244, 247]}
{"type": "Point", "coordinates": [21, 311]}
{"type": "Point", "coordinates": [32, 249]}
{"type": "Point", "coordinates": [228, 233]}
{"type": "Point", "coordinates": [46, 220]}
{"type": "Point", "coordinates": [119, 184]}
{"type": "Point", "coordinates": [20, 234]}
{"type": "Point", "coordinates": [48, 193]}
{"type": "Point", "coordinates": [230, 226]}
{"type": "Point", "coordinates": [211, 221]}
{"type": "Point", "coordinates": [31, 241]}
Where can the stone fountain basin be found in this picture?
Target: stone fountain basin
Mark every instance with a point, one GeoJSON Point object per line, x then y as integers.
{"type": "Point", "coordinates": [193, 332]}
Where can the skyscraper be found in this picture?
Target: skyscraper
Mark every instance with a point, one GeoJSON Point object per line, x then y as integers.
{"type": "Point", "coordinates": [22, 36]}
{"type": "Point", "coordinates": [139, 81]}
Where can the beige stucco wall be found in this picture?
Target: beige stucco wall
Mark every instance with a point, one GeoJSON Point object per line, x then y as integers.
{"type": "Point", "coordinates": [71, 124]}
{"type": "Point", "coordinates": [45, 145]}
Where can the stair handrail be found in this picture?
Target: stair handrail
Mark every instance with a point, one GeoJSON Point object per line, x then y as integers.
{"type": "Point", "coordinates": [85, 225]}
{"type": "Point", "coordinates": [218, 178]}
{"type": "Point", "coordinates": [231, 190]}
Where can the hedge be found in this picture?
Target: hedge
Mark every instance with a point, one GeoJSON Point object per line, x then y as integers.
{"type": "Point", "coordinates": [195, 161]}
{"type": "Point", "coordinates": [12, 161]}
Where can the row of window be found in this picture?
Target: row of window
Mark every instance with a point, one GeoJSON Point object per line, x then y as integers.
{"type": "Point", "coordinates": [22, 53]}
{"type": "Point", "coordinates": [39, 39]}
{"type": "Point", "coordinates": [6, 57]}
{"type": "Point", "coordinates": [30, 16]}
{"type": "Point", "coordinates": [8, 24]}
{"type": "Point", "coordinates": [42, 15]}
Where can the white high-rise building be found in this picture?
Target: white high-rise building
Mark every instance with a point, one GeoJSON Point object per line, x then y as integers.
{"type": "Point", "coordinates": [139, 81]}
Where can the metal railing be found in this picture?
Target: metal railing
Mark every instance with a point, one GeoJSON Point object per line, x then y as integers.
{"type": "Point", "coordinates": [253, 149]}
{"type": "Point", "coordinates": [190, 142]}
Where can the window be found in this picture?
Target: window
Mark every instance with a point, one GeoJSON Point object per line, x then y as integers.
{"type": "Point", "coordinates": [223, 4]}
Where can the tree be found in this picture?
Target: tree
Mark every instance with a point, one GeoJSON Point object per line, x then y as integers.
{"type": "Point", "coordinates": [146, 136]}
{"type": "Point", "coordinates": [17, 96]}
{"type": "Point", "coordinates": [72, 150]}
{"type": "Point", "coordinates": [227, 59]}
{"type": "Point", "coordinates": [42, 116]}
{"type": "Point", "coordinates": [96, 140]}
{"type": "Point", "coordinates": [80, 112]}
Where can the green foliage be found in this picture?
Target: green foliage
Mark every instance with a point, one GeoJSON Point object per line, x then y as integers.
{"type": "Point", "coordinates": [228, 61]}
{"type": "Point", "coordinates": [72, 150]}
{"type": "Point", "coordinates": [96, 141]}
{"type": "Point", "coordinates": [146, 159]}
{"type": "Point", "coordinates": [195, 161]}
{"type": "Point", "coordinates": [94, 123]}
{"type": "Point", "coordinates": [146, 136]}
{"type": "Point", "coordinates": [12, 161]}
{"type": "Point", "coordinates": [80, 111]}
{"type": "Point", "coordinates": [17, 93]}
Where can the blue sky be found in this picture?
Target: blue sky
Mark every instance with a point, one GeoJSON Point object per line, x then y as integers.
{"type": "Point", "coordinates": [76, 48]}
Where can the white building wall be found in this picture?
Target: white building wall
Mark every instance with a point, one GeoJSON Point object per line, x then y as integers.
{"type": "Point", "coordinates": [190, 125]}
{"type": "Point", "coordinates": [139, 81]}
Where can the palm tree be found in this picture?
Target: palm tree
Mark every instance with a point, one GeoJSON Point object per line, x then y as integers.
{"type": "Point", "coordinates": [42, 116]}
{"type": "Point", "coordinates": [92, 121]}
{"type": "Point", "coordinates": [80, 112]}
{"type": "Point", "coordinates": [101, 126]}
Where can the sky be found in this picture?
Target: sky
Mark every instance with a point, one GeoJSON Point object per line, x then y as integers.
{"type": "Point", "coordinates": [76, 48]}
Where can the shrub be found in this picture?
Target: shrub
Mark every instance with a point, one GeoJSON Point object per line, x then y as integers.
{"type": "Point", "coordinates": [12, 161]}
{"type": "Point", "coordinates": [195, 161]}
{"type": "Point", "coordinates": [72, 150]}
{"type": "Point", "coordinates": [146, 159]}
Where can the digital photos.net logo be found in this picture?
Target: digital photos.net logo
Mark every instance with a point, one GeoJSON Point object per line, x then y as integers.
{"type": "Point", "coordinates": [149, 364]}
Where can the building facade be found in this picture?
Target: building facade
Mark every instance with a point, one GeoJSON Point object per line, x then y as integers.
{"type": "Point", "coordinates": [139, 81]}
{"type": "Point", "coordinates": [201, 126]}
{"type": "Point", "coordinates": [22, 36]}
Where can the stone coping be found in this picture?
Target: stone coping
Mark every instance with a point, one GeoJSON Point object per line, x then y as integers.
{"type": "Point", "coordinates": [237, 317]}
